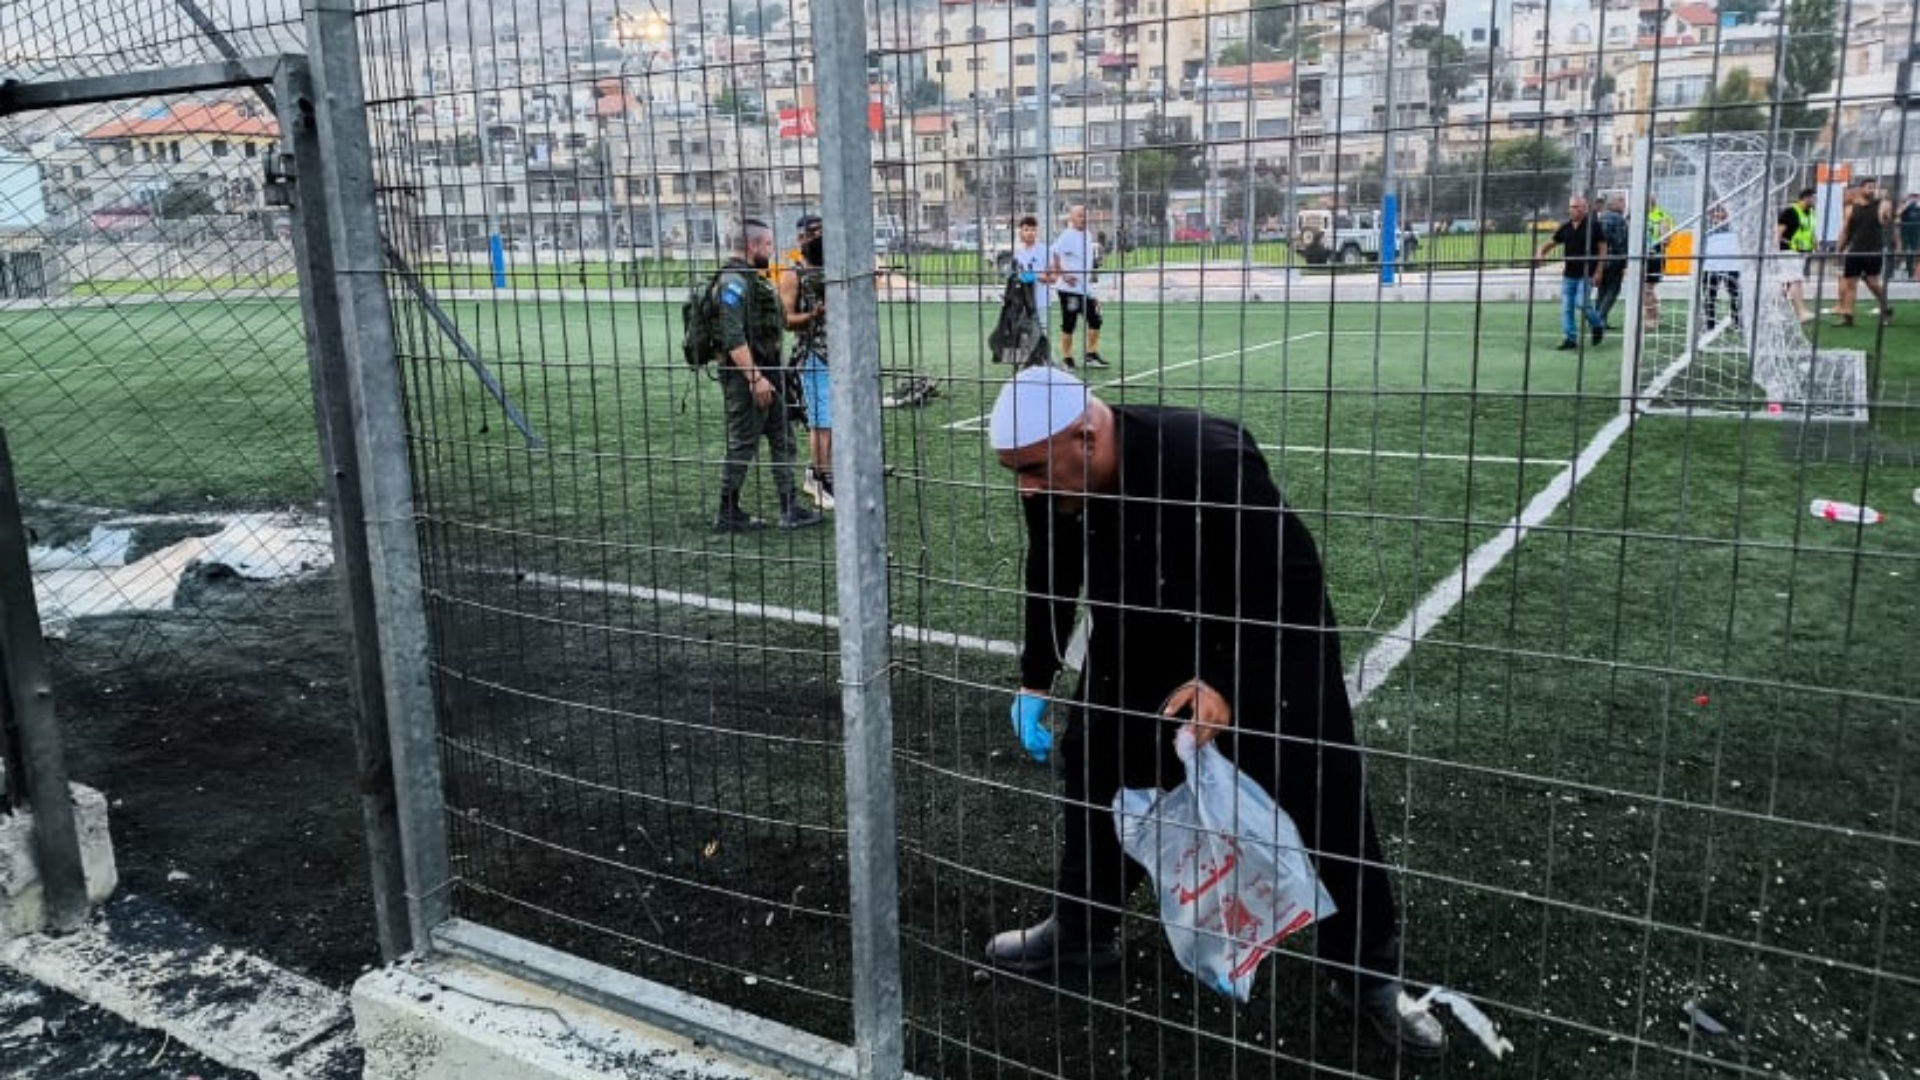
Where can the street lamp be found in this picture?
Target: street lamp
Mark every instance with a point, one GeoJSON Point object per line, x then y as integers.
{"type": "Point", "coordinates": [646, 33]}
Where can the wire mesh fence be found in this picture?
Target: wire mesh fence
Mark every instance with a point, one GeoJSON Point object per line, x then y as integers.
{"type": "Point", "coordinates": [1635, 724]}
{"type": "Point", "coordinates": [157, 387]}
{"type": "Point", "coordinates": [156, 391]}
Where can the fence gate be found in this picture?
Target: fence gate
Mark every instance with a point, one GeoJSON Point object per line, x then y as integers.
{"type": "Point", "coordinates": [180, 252]}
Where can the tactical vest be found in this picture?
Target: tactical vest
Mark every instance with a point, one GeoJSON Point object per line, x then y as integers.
{"type": "Point", "coordinates": [1802, 238]}
{"type": "Point", "coordinates": [1657, 220]}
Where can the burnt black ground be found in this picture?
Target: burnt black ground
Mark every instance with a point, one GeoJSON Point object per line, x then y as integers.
{"type": "Point", "coordinates": [660, 790]}
{"type": "Point", "coordinates": [48, 1035]}
{"type": "Point", "coordinates": [222, 739]}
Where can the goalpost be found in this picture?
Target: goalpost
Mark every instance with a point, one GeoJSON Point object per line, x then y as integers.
{"type": "Point", "coordinates": [1756, 359]}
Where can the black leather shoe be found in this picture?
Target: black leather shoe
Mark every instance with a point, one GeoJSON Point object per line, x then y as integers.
{"type": "Point", "coordinates": [732, 519]}
{"type": "Point", "coordinates": [799, 516]}
{"type": "Point", "coordinates": [1044, 947]}
{"type": "Point", "coordinates": [1568, 345]}
{"type": "Point", "coordinates": [1392, 1014]}
{"type": "Point", "coordinates": [1599, 334]}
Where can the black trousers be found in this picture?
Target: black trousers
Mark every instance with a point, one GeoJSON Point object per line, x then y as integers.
{"type": "Point", "coordinates": [1611, 280]}
{"type": "Point", "coordinates": [1304, 755]}
{"type": "Point", "coordinates": [747, 424]}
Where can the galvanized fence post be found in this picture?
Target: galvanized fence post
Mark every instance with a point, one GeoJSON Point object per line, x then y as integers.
{"type": "Point", "coordinates": [26, 716]}
{"type": "Point", "coordinates": [371, 373]}
{"type": "Point", "coordinates": [860, 530]}
{"type": "Point", "coordinates": [340, 462]}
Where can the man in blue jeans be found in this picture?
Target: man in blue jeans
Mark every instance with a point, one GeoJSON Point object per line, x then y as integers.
{"type": "Point", "coordinates": [803, 293]}
{"type": "Point", "coordinates": [1585, 248]}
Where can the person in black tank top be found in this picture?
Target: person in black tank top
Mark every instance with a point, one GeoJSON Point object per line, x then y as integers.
{"type": "Point", "coordinates": [1863, 250]}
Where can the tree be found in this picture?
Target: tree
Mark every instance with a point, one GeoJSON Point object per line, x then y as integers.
{"type": "Point", "coordinates": [1524, 177]}
{"type": "Point", "coordinates": [1269, 198]}
{"type": "Point", "coordinates": [1274, 22]}
{"type": "Point", "coordinates": [733, 103]}
{"type": "Point", "coordinates": [1276, 25]}
{"type": "Point", "coordinates": [1450, 191]}
{"type": "Point", "coordinates": [758, 22]}
{"type": "Point", "coordinates": [1810, 63]}
{"type": "Point", "coordinates": [1242, 53]}
{"type": "Point", "coordinates": [924, 94]}
{"type": "Point", "coordinates": [1731, 106]}
{"type": "Point", "coordinates": [186, 200]}
{"type": "Point", "coordinates": [1447, 71]}
{"type": "Point", "coordinates": [1166, 159]}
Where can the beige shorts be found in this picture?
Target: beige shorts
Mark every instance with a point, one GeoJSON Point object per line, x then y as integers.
{"type": "Point", "coordinates": [1790, 268]}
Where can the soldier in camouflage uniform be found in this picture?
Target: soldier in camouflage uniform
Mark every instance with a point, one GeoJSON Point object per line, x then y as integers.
{"type": "Point", "coordinates": [749, 324]}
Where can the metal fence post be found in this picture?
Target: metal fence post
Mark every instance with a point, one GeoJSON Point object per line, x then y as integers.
{"type": "Point", "coordinates": [381, 453]}
{"type": "Point", "coordinates": [339, 459]}
{"type": "Point", "coordinates": [26, 716]}
{"type": "Point", "coordinates": [860, 531]}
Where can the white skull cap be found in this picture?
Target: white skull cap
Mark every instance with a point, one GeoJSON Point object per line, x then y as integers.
{"type": "Point", "coordinates": [1034, 406]}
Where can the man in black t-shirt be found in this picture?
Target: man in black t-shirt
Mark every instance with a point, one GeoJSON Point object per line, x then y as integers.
{"type": "Point", "coordinates": [1863, 249]}
{"type": "Point", "coordinates": [1585, 249]}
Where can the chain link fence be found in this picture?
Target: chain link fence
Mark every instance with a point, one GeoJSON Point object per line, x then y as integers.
{"type": "Point", "coordinates": [1634, 723]}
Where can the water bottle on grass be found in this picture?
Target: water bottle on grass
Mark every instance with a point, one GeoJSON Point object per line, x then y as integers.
{"type": "Point", "coordinates": [1833, 510]}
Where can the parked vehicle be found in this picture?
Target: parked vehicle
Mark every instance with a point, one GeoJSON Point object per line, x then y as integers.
{"type": "Point", "coordinates": [1343, 235]}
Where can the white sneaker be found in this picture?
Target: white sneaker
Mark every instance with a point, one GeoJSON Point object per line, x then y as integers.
{"type": "Point", "coordinates": [818, 492]}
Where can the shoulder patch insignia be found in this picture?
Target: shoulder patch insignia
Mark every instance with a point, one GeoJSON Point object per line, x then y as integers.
{"type": "Point", "coordinates": [733, 293]}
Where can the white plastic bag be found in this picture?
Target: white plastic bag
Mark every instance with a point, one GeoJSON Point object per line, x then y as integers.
{"type": "Point", "coordinates": [1232, 875]}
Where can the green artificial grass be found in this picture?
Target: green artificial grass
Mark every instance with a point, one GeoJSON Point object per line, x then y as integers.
{"type": "Point", "coordinates": [1661, 750]}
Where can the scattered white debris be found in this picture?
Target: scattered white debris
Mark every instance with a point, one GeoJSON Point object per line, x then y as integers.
{"type": "Point", "coordinates": [106, 547]}
{"type": "Point", "coordinates": [1702, 1019]}
{"type": "Point", "coordinates": [1470, 1017]}
{"type": "Point", "coordinates": [95, 578]}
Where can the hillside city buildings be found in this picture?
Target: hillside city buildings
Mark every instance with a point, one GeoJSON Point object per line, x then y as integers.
{"type": "Point", "coordinates": [659, 130]}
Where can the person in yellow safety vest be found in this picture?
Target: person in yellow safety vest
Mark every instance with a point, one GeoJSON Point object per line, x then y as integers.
{"type": "Point", "coordinates": [1794, 232]}
{"type": "Point", "coordinates": [1659, 228]}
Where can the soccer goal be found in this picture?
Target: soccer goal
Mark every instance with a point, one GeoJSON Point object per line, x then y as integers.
{"type": "Point", "coordinates": [1723, 338]}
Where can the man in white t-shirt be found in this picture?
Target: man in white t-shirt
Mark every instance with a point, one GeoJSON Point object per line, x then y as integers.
{"type": "Point", "coordinates": [1073, 280]}
{"type": "Point", "coordinates": [1031, 256]}
{"type": "Point", "coordinates": [1720, 268]}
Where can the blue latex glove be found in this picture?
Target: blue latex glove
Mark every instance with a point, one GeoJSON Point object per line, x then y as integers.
{"type": "Point", "coordinates": [1029, 714]}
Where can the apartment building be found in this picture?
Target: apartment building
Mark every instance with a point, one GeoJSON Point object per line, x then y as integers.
{"type": "Point", "coordinates": [128, 167]}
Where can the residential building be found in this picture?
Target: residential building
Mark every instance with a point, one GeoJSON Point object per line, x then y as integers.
{"type": "Point", "coordinates": [208, 154]}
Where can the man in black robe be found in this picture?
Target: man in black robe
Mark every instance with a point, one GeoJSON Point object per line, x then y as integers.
{"type": "Point", "coordinates": [1207, 606]}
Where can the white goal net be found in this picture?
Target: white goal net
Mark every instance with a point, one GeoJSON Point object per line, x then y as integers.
{"type": "Point", "coordinates": [1723, 338]}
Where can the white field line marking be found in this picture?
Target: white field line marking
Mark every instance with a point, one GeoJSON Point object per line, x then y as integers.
{"type": "Point", "coordinates": [902, 632]}
{"type": "Point", "coordinates": [973, 423]}
{"type": "Point", "coordinates": [56, 372]}
{"type": "Point", "coordinates": [1413, 455]}
{"type": "Point", "coordinates": [1396, 644]}
{"type": "Point", "coordinates": [774, 612]}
